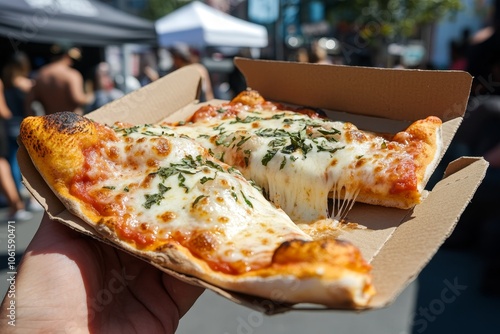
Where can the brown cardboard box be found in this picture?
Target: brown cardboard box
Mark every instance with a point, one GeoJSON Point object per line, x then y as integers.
{"type": "Point", "coordinates": [398, 243]}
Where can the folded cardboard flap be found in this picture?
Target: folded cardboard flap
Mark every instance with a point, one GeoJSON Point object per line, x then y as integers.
{"type": "Point", "coordinates": [460, 164]}
{"type": "Point", "coordinates": [151, 103]}
{"type": "Point", "coordinates": [389, 93]}
{"type": "Point", "coordinates": [416, 240]}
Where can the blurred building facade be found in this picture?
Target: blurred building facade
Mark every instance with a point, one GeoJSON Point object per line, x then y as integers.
{"type": "Point", "coordinates": [297, 24]}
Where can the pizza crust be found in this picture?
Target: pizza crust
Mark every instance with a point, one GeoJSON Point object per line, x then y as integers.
{"type": "Point", "coordinates": [336, 277]}
{"type": "Point", "coordinates": [316, 283]}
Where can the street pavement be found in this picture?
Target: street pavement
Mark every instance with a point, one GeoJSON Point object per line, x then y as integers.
{"type": "Point", "coordinates": [445, 298]}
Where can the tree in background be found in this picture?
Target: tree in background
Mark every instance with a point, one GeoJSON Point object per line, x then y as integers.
{"type": "Point", "coordinates": [395, 19]}
{"type": "Point", "coordinates": [156, 9]}
{"type": "Point", "coordinates": [366, 27]}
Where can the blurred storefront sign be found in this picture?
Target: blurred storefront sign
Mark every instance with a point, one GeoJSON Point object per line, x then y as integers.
{"type": "Point", "coordinates": [263, 11]}
{"type": "Point", "coordinates": [315, 29]}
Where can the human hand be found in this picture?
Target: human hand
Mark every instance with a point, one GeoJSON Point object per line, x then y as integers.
{"type": "Point", "coordinates": [68, 282]}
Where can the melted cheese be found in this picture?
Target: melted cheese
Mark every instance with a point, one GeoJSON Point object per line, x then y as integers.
{"type": "Point", "coordinates": [182, 193]}
{"type": "Point", "coordinates": [300, 162]}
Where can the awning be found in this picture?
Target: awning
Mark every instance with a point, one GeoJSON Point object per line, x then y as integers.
{"type": "Point", "coordinates": [82, 22]}
{"type": "Point", "coordinates": [200, 25]}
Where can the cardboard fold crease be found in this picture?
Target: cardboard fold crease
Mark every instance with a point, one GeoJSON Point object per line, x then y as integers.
{"type": "Point", "coordinates": [398, 243]}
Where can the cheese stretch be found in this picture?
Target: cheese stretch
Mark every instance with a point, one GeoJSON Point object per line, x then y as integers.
{"type": "Point", "coordinates": [300, 162]}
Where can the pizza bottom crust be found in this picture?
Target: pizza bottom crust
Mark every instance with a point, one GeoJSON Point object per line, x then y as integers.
{"type": "Point", "coordinates": [330, 285]}
{"type": "Point", "coordinates": [329, 272]}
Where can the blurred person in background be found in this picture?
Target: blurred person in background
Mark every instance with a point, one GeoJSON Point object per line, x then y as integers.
{"type": "Point", "coordinates": [182, 56]}
{"type": "Point", "coordinates": [58, 86]}
{"type": "Point", "coordinates": [236, 79]}
{"type": "Point", "coordinates": [148, 72]}
{"type": "Point", "coordinates": [104, 87]}
{"type": "Point", "coordinates": [458, 52]}
{"type": "Point", "coordinates": [17, 86]}
{"type": "Point", "coordinates": [8, 187]}
{"type": "Point", "coordinates": [479, 135]}
{"type": "Point", "coordinates": [302, 55]}
{"type": "Point", "coordinates": [319, 55]}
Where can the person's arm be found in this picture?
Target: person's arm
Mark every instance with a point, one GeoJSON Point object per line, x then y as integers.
{"type": "Point", "coordinates": [28, 101]}
{"type": "Point", "coordinates": [77, 91]}
{"type": "Point", "coordinates": [73, 283]}
{"type": "Point", "coordinates": [5, 112]}
{"type": "Point", "coordinates": [151, 73]}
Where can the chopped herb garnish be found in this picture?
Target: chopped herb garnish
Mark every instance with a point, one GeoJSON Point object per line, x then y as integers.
{"type": "Point", "coordinates": [205, 179]}
{"type": "Point", "coordinates": [248, 119]}
{"type": "Point", "coordinates": [109, 187]}
{"type": "Point", "coordinates": [182, 179]}
{"type": "Point", "coordinates": [149, 133]}
{"type": "Point", "coordinates": [156, 198]}
{"type": "Point", "coordinates": [233, 170]}
{"type": "Point", "coordinates": [234, 195]}
{"type": "Point", "coordinates": [219, 127]}
{"type": "Point", "coordinates": [328, 132]}
{"type": "Point", "coordinates": [197, 200]}
{"type": "Point", "coordinates": [255, 185]}
{"type": "Point", "coordinates": [278, 116]}
{"type": "Point", "coordinates": [269, 155]}
{"type": "Point", "coordinates": [278, 142]}
{"type": "Point", "coordinates": [283, 163]}
{"type": "Point", "coordinates": [221, 140]}
{"type": "Point", "coordinates": [243, 140]}
{"type": "Point", "coordinates": [246, 200]}
{"type": "Point", "coordinates": [324, 147]}
{"type": "Point", "coordinates": [246, 158]}
{"type": "Point", "coordinates": [127, 131]}
{"type": "Point", "coordinates": [214, 165]}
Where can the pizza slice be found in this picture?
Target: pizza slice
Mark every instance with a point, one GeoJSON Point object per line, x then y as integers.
{"type": "Point", "coordinates": [164, 198]}
{"type": "Point", "coordinates": [302, 159]}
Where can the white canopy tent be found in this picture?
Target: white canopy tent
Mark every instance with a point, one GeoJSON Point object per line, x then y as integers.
{"type": "Point", "coordinates": [200, 25]}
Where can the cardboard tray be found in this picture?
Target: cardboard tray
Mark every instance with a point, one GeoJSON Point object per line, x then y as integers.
{"type": "Point", "coordinates": [398, 243]}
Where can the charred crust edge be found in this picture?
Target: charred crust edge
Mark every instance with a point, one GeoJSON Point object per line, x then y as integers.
{"type": "Point", "coordinates": [67, 122]}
